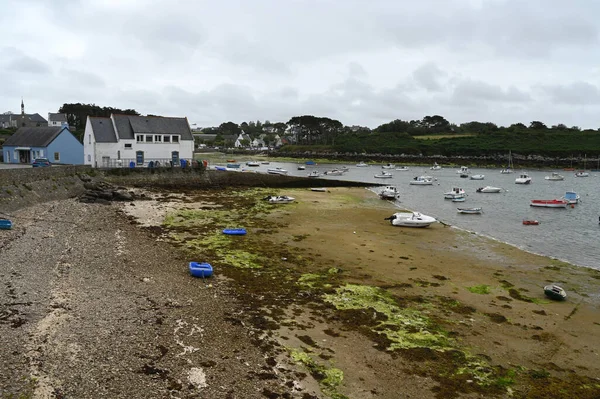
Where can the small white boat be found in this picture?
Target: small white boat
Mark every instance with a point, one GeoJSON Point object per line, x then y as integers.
{"type": "Point", "coordinates": [314, 173]}
{"type": "Point", "coordinates": [555, 177]}
{"type": "Point", "coordinates": [384, 175]}
{"type": "Point", "coordinates": [421, 181]}
{"type": "Point", "coordinates": [459, 199]}
{"type": "Point", "coordinates": [582, 173]}
{"type": "Point", "coordinates": [435, 166]}
{"type": "Point", "coordinates": [388, 166]}
{"type": "Point", "coordinates": [362, 165]}
{"type": "Point", "coordinates": [265, 163]}
{"type": "Point", "coordinates": [456, 192]}
{"type": "Point", "coordinates": [471, 211]}
{"type": "Point", "coordinates": [402, 168]}
{"type": "Point", "coordinates": [301, 167]}
{"type": "Point", "coordinates": [488, 189]}
{"type": "Point", "coordinates": [523, 179]}
{"type": "Point", "coordinates": [572, 197]}
{"type": "Point", "coordinates": [252, 163]}
{"type": "Point", "coordinates": [463, 171]}
{"type": "Point", "coordinates": [508, 169]}
{"type": "Point", "coordinates": [555, 292]}
{"type": "Point", "coordinates": [334, 172]}
{"type": "Point", "coordinates": [389, 192]}
{"type": "Point", "coordinates": [411, 219]}
{"type": "Point", "coordinates": [477, 177]}
{"type": "Point", "coordinates": [277, 171]}
{"type": "Point", "coordinates": [318, 189]}
{"type": "Point", "coordinates": [279, 199]}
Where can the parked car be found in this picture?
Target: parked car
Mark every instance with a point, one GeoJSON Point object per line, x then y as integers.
{"type": "Point", "coordinates": [40, 163]}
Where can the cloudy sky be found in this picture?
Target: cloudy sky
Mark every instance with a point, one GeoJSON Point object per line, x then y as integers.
{"type": "Point", "coordinates": [363, 62]}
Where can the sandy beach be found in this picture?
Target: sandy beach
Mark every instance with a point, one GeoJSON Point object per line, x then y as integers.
{"type": "Point", "coordinates": [322, 298]}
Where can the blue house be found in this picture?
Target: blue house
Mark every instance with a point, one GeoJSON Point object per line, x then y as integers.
{"type": "Point", "coordinates": [56, 143]}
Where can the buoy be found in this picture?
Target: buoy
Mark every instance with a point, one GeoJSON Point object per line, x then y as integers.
{"type": "Point", "coordinates": [572, 206]}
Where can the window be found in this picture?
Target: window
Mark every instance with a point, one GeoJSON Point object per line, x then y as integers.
{"type": "Point", "coordinates": [128, 146]}
{"type": "Point", "coordinates": [56, 156]}
{"type": "Point", "coordinates": [90, 139]}
{"type": "Point", "coordinates": [89, 158]}
{"type": "Point", "coordinates": [149, 138]}
{"type": "Point", "coordinates": [139, 138]}
{"type": "Point", "coordinates": [157, 138]}
{"type": "Point", "coordinates": [175, 139]}
{"type": "Point", "coordinates": [119, 154]}
{"type": "Point", "coordinates": [167, 139]}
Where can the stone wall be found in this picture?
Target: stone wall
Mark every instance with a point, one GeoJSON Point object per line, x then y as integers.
{"type": "Point", "coordinates": [23, 187]}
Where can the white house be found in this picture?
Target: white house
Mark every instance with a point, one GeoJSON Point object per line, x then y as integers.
{"type": "Point", "coordinates": [57, 120]}
{"type": "Point", "coordinates": [130, 140]}
{"type": "Point", "coordinates": [241, 137]}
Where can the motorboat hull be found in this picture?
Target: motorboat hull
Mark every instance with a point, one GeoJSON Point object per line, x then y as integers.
{"type": "Point", "coordinates": [471, 211]}
{"type": "Point", "coordinates": [555, 292]}
{"type": "Point", "coordinates": [488, 189]}
{"type": "Point", "coordinates": [477, 177]}
{"type": "Point", "coordinates": [411, 219]}
{"type": "Point", "coordinates": [277, 171]}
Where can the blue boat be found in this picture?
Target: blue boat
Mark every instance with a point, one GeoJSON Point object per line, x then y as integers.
{"type": "Point", "coordinates": [572, 197]}
{"type": "Point", "coordinates": [233, 165]}
{"type": "Point", "coordinates": [200, 269]}
{"type": "Point", "coordinates": [235, 232]}
{"type": "Point", "coordinates": [5, 224]}
{"type": "Point", "coordinates": [310, 163]}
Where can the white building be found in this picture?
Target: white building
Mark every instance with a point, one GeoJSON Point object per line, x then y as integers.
{"type": "Point", "coordinates": [57, 120]}
{"type": "Point", "coordinates": [129, 140]}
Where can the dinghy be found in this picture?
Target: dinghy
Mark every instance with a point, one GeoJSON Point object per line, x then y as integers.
{"type": "Point", "coordinates": [5, 224]}
{"type": "Point", "coordinates": [235, 232]}
{"type": "Point", "coordinates": [471, 211]}
{"type": "Point", "coordinates": [411, 219]}
{"type": "Point", "coordinates": [555, 292]}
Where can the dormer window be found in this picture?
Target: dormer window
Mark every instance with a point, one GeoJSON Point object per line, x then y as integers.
{"type": "Point", "coordinates": [175, 139]}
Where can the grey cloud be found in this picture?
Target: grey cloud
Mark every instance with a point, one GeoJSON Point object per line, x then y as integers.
{"type": "Point", "coordinates": [80, 78]}
{"type": "Point", "coordinates": [27, 64]}
{"type": "Point", "coordinates": [576, 93]}
{"type": "Point", "coordinates": [473, 91]}
{"type": "Point", "coordinates": [428, 76]}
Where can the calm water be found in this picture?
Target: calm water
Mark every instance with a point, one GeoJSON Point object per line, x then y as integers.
{"type": "Point", "coordinates": [570, 234]}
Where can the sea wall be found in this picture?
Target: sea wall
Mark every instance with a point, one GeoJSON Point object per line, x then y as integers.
{"type": "Point", "coordinates": [20, 188]}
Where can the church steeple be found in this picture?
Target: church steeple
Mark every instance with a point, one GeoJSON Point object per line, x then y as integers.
{"type": "Point", "coordinates": [22, 107]}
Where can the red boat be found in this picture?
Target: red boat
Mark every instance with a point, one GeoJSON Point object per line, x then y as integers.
{"type": "Point", "coordinates": [553, 203]}
{"type": "Point", "coordinates": [531, 222]}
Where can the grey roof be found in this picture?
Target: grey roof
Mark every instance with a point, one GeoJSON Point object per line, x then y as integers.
{"type": "Point", "coordinates": [103, 129]}
{"type": "Point", "coordinates": [57, 117]}
{"type": "Point", "coordinates": [130, 125]}
{"type": "Point", "coordinates": [36, 118]}
{"type": "Point", "coordinates": [34, 136]}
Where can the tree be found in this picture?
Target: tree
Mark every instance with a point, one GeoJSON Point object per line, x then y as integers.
{"type": "Point", "coordinates": [229, 128]}
{"type": "Point", "coordinates": [77, 113]}
{"type": "Point", "coordinates": [537, 125]}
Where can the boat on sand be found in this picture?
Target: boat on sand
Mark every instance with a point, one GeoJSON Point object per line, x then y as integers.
{"type": "Point", "coordinates": [411, 219]}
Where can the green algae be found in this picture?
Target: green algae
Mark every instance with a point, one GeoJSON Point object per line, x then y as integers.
{"type": "Point", "coordinates": [241, 259]}
{"type": "Point", "coordinates": [329, 378]}
{"type": "Point", "coordinates": [404, 328]}
{"type": "Point", "coordinates": [482, 289]}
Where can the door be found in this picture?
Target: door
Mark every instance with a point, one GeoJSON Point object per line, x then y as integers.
{"type": "Point", "coordinates": [175, 158]}
{"type": "Point", "coordinates": [139, 157]}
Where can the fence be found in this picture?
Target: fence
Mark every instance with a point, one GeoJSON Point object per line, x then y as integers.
{"type": "Point", "coordinates": [149, 163]}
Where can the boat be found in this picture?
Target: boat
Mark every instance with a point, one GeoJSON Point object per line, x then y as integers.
{"type": "Point", "coordinates": [334, 172]}
{"type": "Point", "coordinates": [402, 168]}
{"type": "Point", "coordinates": [555, 177]}
{"type": "Point", "coordinates": [523, 179]}
{"type": "Point", "coordinates": [582, 173]}
{"type": "Point", "coordinates": [362, 165]}
{"type": "Point", "coordinates": [553, 203]}
{"type": "Point", "coordinates": [555, 292]}
{"type": "Point", "coordinates": [310, 163]}
{"type": "Point", "coordinates": [252, 163]}
{"type": "Point", "coordinates": [5, 224]}
{"type": "Point", "coordinates": [388, 166]}
{"type": "Point", "coordinates": [265, 163]}
{"type": "Point", "coordinates": [456, 192]}
{"type": "Point", "coordinates": [471, 211]}
{"type": "Point", "coordinates": [459, 199]}
{"type": "Point", "coordinates": [319, 189]}
{"type": "Point", "coordinates": [231, 160]}
{"type": "Point", "coordinates": [477, 177]}
{"type": "Point", "coordinates": [488, 189]}
{"type": "Point", "coordinates": [344, 168]}
{"type": "Point", "coordinates": [201, 269]}
{"type": "Point", "coordinates": [301, 167]}
{"type": "Point", "coordinates": [389, 192]}
{"type": "Point", "coordinates": [509, 168]}
{"type": "Point", "coordinates": [422, 181]}
{"type": "Point", "coordinates": [384, 175]}
{"type": "Point", "coordinates": [233, 165]}
{"type": "Point", "coordinates": [279, 199]}
{"type": "Point", "coordinates": [572, 197]}
{"type": "Point", "coordinates": [314, 173]}
{"type": "Point", "coordinates": [277, 171]}
{"type": "Point", "coordinates": [235, 232]}
{"type": "Point", "coordinates": [411, 219]}
{"type": "Point", "coordinates": [463, 171]}
{"type": "Point", "coordinates": [435, 166]}
{"type": "Point", "coordinates": [530, 222]}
